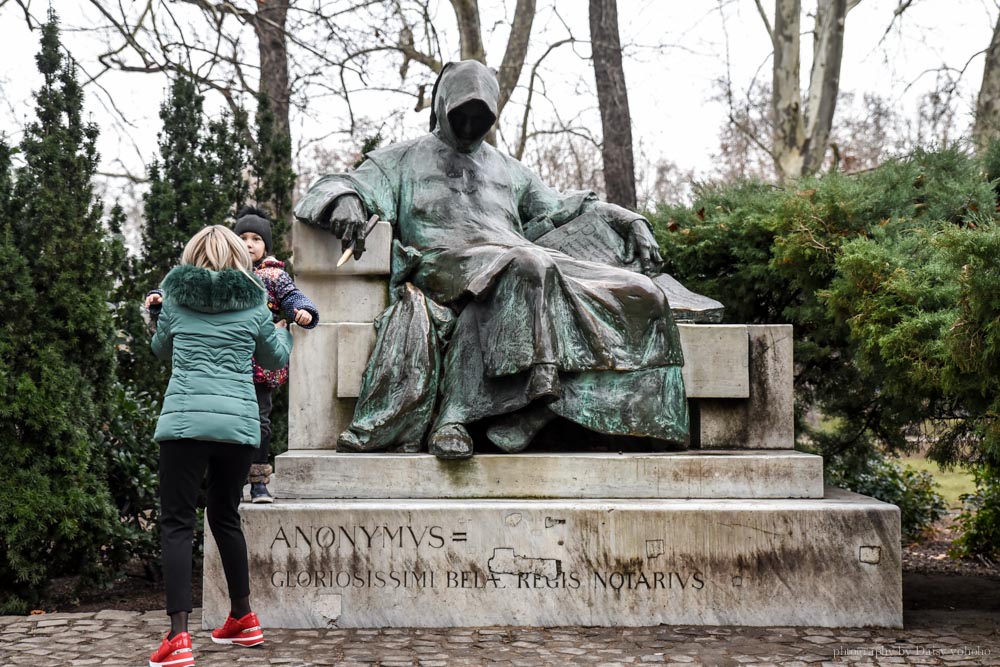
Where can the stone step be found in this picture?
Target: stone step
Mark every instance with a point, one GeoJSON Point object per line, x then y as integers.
{"type": "Point", "coordinates": [690, 474]}
{"type": "Point", "coordinates": [831, 562]}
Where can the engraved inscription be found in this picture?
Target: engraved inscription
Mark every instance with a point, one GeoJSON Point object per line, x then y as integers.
{"type": "Point", "coordinates": [361, 537]}
{"type": "Point", "coordinates": [505, 569]}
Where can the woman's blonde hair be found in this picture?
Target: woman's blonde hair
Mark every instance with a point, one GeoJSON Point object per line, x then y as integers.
{"type": "Point", "coordinates": [217, 248]}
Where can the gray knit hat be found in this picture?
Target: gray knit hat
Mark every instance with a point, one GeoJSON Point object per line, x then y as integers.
{"type": "Point", "coordinates": [251, 219]}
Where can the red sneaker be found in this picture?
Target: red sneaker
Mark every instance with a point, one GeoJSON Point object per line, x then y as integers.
{"type": "Point", "coordinates": [174, 652]}
{"type": "Point", "coordinates": [244, 632]}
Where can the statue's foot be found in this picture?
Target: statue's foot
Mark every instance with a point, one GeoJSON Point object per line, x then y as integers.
{"type": "Point", "coordinates": [513, 432]}
{"type": "Point", "coordinates": [451, 441]}
{"type": "Point", "coordinates": [543, 384]}
{"type": "Point", "coordinates": [349, 442]}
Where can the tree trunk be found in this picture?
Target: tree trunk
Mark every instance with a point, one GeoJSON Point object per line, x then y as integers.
{"type": "Point", "coordinates": [470, 34]}
{"type": "Point", "coordinates": [612, 98]}
{"type": "Point", "coordinates": [987, 125]}
{"type": "Point", "coordinates": [824, 81]}
{"type": "Point", "coordinates": [269, 24]}
{"type": "Point", "coordinates": [801, 134]}
{"type": "Point", "coordinates": [469, 31]}
{"type": "Point", "coordinates": [517, 49]}
{"type": "Point", "coordinates": [273, 157]}
{"type": "Point", "coordinates": [786, 97]}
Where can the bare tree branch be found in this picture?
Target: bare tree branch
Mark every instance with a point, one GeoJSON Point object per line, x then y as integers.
{"type": "Point", "coordinates": [519, 152]}
{"type": "Point", "coordinates": [767, 22]}
{"type": "Point", "coordinates": [28, 18]}
{"type": "Point", "coordinates": [944, 68]}
{"type": "Point", "coordinates": [898, 12]}
{"type": "Point", "coordinates": [572, 131]}
{"type": "Point", "coordinates": [124, 175]}
{"type": "Point", "coordinates": [750, 134]}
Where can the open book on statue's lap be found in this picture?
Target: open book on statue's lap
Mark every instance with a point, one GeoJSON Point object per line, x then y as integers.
{"type": "Point", "coordinates": [591, 239]}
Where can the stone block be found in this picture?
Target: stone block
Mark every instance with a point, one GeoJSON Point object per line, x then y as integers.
{"type": "Point", "coordinates": [787, 474]}
{"type": "Point", "coordinates": [831, 562]}
{"type": "Point", "coordinates": [316, 416]}
{"type": "Point", "coordinates": [766, 419]}
{"type": "Point", "coordinates": [771, 409]}
{"type": "Point", "coordinates": [715, 360]}
{"type": "Point", "coordinates": [316, 251]}
{"type": "Point", "coordinates": [347, 298]}
{"type": "Point", "coordinates": [354, 346]}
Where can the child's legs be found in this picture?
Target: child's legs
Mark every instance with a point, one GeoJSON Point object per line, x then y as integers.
{"type": "Point", "coordinates": [265, 396]}
{"type": "Point", "coordinates": [227, 469]}
{"type": "Point", "coordinates": [182, 467]}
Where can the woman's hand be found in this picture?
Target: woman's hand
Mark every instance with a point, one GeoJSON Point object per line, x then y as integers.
{"type": "Point", "coordinates": [303, 317]}
{"type": "Point", "coordinates": [153, 300]}
{"type": "Point", "coordinates": [281, 324]}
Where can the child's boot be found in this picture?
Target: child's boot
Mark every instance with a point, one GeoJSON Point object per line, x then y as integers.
{"type": "Point", "coordinates": [260, 475]}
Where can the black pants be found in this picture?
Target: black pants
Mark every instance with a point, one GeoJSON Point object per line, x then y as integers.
{"type": "Point", "coordinates": [183, 464]}
{"type": "Point", "coordinates": [265, 396]}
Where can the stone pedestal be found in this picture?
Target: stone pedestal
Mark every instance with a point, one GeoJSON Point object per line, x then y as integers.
{"type": "Point", "coordinates": [738, 530]}
{"type": "Point", "coordinates": [448, 563]}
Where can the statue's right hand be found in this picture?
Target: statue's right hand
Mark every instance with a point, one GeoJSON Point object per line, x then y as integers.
{"type": "Point", "coordinates": [347, 222]}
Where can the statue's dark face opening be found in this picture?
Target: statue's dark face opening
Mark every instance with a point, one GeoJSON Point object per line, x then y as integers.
{"type": "Point", "coordinates": [465, 104]}
{"type": "Point", "coordinates": [471, 121]}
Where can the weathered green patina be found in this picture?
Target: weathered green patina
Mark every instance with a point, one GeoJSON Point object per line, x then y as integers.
{"type": "Point", "coordinates": [486, 324]}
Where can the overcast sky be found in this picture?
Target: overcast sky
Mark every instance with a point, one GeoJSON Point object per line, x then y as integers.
{"type": "Point", "coordinates": [676, 51]}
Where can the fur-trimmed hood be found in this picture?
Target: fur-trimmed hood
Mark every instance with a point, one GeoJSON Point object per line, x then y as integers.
{"type": "Point", "coordinates": [213, 291]}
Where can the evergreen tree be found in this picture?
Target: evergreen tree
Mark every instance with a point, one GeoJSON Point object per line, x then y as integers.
{"type": "Point", "coordinates": [275, 179]}
{"type": "Point", "coordinates": [198, 179]}
{"type": "Point", "coordinates": [57, 365]}
{"type": "Point", "coordinates": [132, 455]}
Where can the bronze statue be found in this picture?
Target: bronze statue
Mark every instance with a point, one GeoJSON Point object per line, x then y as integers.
{"type": "Point", "coordinates": [487, 323]}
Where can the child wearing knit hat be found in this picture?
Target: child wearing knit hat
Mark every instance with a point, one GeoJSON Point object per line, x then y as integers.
{"type": "Point", "coordinates": [284, 299]}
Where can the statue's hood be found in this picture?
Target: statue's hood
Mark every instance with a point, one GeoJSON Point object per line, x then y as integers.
{"type": "Point", "coordinates": [464, 83]}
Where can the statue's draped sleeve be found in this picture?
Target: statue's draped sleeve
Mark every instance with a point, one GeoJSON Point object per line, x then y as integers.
{"type": "Point", "coordinates": [538, 200]}
{"type": "Point", "coordinates": [375, 182]}
{"type": "Point", "coordinates": [542, 208]}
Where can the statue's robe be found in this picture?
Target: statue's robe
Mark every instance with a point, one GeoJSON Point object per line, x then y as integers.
{"type": "Point", "coordinates": [464, 223]}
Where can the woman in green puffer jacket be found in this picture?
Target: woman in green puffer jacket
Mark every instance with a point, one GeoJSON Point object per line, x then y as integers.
{"type": "Point", "coordinates": [214, 319]}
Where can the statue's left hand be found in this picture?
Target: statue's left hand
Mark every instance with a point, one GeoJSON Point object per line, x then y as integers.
{"type": "Point", "coordinates": [642, 245]}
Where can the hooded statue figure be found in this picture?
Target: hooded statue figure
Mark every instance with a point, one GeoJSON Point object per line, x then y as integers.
{"type": "Point", "coordinates": [486, 326]}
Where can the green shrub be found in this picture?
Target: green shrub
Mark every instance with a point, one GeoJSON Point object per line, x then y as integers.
{"type": "Point", "coordinates": [892, 482]}
{"type": "Point", "coordinates": [133, 474]}
{"type": "Point", "coordinates": [980, 520]}
{"type": "Point", "coordinates": [891, 280]}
